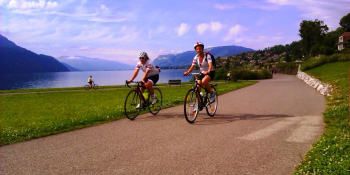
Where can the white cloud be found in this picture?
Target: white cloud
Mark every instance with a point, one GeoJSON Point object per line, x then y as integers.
{"type": "Point", "coordinates": [216, 26]}
{"type": "Point", "coordinates": [213, 26]}
{"type": "Point", "coordinates": [23, 4]}
{"type": "Point", "coordinates": [235, 30]}
{"type": "Point", "coordinates": [224, 6]}
{"type": "Point", "coordinates": [280, 2]}
{"type": "Point", "coordinates": [201, 28]}
{"type": "Point", "coordinates": [103, 7]}
{"type": "Point", "coordinates": [183, 29]}
{"type": "Point", "coordinates": [51, 5]}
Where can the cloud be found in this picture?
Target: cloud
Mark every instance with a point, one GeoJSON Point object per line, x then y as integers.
{"type": "Point", "coordinates": [23, 4]}
{"type": "Point", "coordinates": [201, 28]}
{"type": "Point", "coordinates": [51, 5]}
{"type": "Point", "coordinates": [224, 6]}
{"type": "Point", "coordinates": [280, 2]}
{"type": "Point", "coordinates": [235, 30]}
{"type": "Point", "coordinates": [328, 11]}
{"type": "Point", "coordinates": [216, 26]}
{"type": "Point", "coordinates": [213, 26]}
{"type": "Point", "coordinates": [183, 29]}
{"type": "Point", "coordinates": [103, 7]}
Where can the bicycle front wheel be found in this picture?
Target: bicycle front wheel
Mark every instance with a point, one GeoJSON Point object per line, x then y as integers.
{"type": "Point", "coordinates": [155, 105]}
{"type": "Point", "coordinates": [95, 86]}
{"type": "Point", "coordinates": [191, 105]}
{"type": "Point", "coordinates": [132, 105]}
{"type": "Point", "coordinates": [212, 106]}
{"type": "Point", "coordinates": [86, 87]}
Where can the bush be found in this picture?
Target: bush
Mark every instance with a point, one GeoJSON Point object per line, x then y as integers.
{"type": "Point", "coordinates": [312, 63]}
{"type": "Point", "coordinates": [245, 74]}
{"type": "Point", "coordinates": [220, 74]}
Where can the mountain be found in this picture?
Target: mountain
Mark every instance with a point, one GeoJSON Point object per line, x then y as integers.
{"type": "Point", "coordinates": [93, 64]}
{"type": "Point", "coordinates": [184, 59]}
{"type": "Point", "coordinates": [15, 59]}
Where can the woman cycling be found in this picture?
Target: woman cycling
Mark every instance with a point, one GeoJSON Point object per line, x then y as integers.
{"type": "Point", "coordinates": [151, 76]}
{"type": "Point", "coordinates": [206, 68]}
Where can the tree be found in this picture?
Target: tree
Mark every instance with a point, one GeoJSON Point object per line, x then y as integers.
{"type": "Point", "coordinates": [345, 22]}
{"type": "Point", "coordinates": [228, 62]}
{"type": "Point", "coordinates": [312, 32]}
{"type": "Point", "coordinates": [288, 59]}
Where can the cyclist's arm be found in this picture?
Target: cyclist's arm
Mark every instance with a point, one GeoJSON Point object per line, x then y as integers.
{"type": "Point", "coordinates": [189, 70]}
{"type": "Point", "coordinates": [209, 69]}
{"type": "Point", "coordinates": [146, 73]}
{"type": "Point", "coordinates": [134, 75]}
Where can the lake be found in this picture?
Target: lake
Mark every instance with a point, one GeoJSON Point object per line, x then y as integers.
{"type": "Point", "coordinates": [79, 79]}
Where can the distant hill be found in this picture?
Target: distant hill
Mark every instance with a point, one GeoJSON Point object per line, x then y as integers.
{"type": "Point", "coordinates": [93, 64]}
{"type": "Point", "coordinates": [15, 59]}
{"type": "Point", "coordinates": [184, 59]}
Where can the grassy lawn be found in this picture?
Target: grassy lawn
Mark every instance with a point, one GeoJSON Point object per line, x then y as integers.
{"type": "Point", "coordinates": [33, 115]}
{"type": "Point", "coordinates": [331, 153]}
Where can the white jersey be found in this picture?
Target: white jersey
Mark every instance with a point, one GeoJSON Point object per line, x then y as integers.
{"type": "Point", "coordinates": [149, 65]}
{"type": "Point", "coordinates": [204, 66]}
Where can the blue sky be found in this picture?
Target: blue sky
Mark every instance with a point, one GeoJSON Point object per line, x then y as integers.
{"type": "Point", "coordinates": [119, 29]}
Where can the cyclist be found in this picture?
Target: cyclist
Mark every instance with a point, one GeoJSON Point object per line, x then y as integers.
{"type": "Point", "coordinates": [151, 76]}
{"type": "Point", "coordinates": [206, 68]}
{"type": "Point", "coordinates": [90, 81]}
{"type": "Point", "coordinates": [228, 76]}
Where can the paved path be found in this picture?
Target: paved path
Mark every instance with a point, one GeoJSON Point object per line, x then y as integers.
{"type": "Point", "coordinates": [262, 129]}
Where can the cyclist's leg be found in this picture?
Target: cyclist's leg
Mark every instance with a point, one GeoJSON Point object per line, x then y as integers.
{"type": "Point", "coordinates": [206, 84]}
{"type": "Point", "coordinates": [149, 86]}
{"type": "Point", "coordinates": [152, 80]}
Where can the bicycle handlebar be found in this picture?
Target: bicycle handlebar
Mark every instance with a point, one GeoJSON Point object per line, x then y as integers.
{"type": "Point", "coordinates": [193, 74]}
{"type": "Point", "coordinates": [136, 82]}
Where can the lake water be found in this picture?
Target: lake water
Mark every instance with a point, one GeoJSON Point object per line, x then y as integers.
{"type": "Point", "coordinates": [79, 79]}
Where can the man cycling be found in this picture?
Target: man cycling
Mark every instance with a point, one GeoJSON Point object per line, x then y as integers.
{"type": "Point", "coordinates": [151, 76]}
{"type": "Point", "coordinates": [90, 81]}
{"type": "Point", "coordinates": [206, 68]}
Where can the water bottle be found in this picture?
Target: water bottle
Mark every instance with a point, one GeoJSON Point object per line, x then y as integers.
{"type": "Point", "coordinates": [201, 94]}
{"type": "Point", "coordinates": [145, 95]}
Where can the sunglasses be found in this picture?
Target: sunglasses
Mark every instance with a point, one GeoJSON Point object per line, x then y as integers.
{"type": "Point", "coordinates": [141, 58]}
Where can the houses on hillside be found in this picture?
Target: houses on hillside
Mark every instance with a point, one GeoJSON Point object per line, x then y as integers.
{"type": "Point", "coordinates": [342, 39]}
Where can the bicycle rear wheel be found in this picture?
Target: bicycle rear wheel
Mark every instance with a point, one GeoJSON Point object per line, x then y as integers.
{"type": "Point", "coordinates": [95, 86]}
{"type": "Point", "coordinates": [156, 107]}
{"type": "Point", "coordinates": [86, 87]}
{"type": "Point", "coordinates": [191, 105]}
{"type": "Point", "coordinates": [212, 106]}
{"type": "Point", "coordinates": [131, 103]}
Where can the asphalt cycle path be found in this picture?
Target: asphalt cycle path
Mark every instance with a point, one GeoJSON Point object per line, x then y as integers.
{"type": "Point", "coordinates": [266, 128]}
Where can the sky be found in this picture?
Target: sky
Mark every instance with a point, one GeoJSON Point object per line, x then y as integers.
{"type": "Point", "coordinates": [120, 29]}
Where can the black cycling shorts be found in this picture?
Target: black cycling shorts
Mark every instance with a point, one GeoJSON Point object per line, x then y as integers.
{"type": "Point", "coordinates": [153, 78]}
{"type": "Point", "coordinates": [211, 74]}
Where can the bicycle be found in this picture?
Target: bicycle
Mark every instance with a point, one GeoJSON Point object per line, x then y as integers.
{"type": "Point", "coordinates": [135, 97]}
{"type": "Point", "coordinates": [195, 101]}
{"type": "Point", "coordinates": [94, 86]}
{"type": "Point", "coordinates": [228, 79]}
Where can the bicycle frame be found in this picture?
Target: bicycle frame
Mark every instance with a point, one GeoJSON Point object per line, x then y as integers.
{"type": "Point", "coordinates": [202, 101]}
{"type": "Point", "coordinates": [139, 84]}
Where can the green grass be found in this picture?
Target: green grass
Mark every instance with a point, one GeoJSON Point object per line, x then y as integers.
{"type": "Point", "coordinates": [331, 153]}
{"type": "Point", "coordinates": [33, 115]}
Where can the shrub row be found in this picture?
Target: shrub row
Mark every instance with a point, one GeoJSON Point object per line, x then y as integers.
{"type": "Point", "coordinates": [243, 74]}
{"type": "Point", "coordinates": [324, 60]}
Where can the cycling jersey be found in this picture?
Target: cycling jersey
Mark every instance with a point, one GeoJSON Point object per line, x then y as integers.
{"type": "Point", "coordinates": [89, 80]}
{"type": "Point", "coordinates": [150, 66]}
{"type": "Point", "coordinates": [204, 66]}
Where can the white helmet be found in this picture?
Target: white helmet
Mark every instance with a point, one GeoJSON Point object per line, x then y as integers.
{"type": "Point", "coordinates": [198, 44]}
{"type": "Point", "coordinates": [143, 54]}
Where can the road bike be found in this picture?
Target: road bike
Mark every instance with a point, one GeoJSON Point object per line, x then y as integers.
{"type": "Point", "coordinates": [136, 100]}
{"type": "Point", "coordinates": [93, 86]}
{"type": "Point", "coordinates": [195, 101]}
